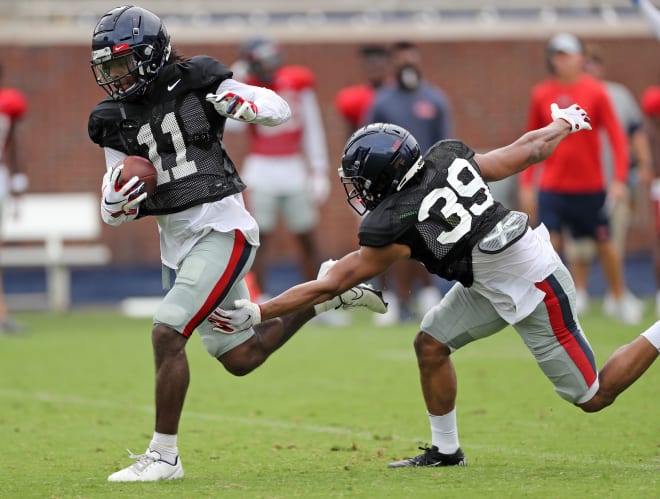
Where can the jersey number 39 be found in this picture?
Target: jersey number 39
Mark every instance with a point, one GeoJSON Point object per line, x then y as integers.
{"type": "Point", "coordinates": [459, 204]}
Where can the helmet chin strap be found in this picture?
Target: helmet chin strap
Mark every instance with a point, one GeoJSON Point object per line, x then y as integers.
{"type": "Point", "coordinates": [412, 171]}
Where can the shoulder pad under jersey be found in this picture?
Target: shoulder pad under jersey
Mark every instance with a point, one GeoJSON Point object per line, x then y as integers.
{"type": "Point", "coordinates": [201, 71]}
{"type": "Point", "coordinates": [444, 152]}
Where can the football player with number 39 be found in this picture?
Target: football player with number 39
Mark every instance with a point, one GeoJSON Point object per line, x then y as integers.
{"type": "Point", "coordinates": [436, 208]}
{"type": "Point", "coordinates": [173, 111]}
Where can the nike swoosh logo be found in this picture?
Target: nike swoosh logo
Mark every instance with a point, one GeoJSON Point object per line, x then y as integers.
{"type": "Point", "coordinates": [171, 87]}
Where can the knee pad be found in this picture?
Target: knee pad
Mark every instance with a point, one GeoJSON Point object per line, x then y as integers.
{"type": "Point", "coordinates": [581, 250]}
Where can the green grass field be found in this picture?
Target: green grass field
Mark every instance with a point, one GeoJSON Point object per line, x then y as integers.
{"type": "Point", "coordinates": [322, 418]}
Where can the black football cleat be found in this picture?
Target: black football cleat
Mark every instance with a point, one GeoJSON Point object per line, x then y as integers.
{"type": "Point", "coordinates": [431, 457]}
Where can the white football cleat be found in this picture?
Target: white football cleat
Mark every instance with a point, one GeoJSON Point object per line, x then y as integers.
{"type": "Point", "coordinates": [363, 295]}
{"type": "Point", "coordinates": [148, 467]}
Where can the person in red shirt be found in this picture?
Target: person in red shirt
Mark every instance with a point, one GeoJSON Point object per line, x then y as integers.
{"type": "Point", "coordinates": [13, 106]}
{"type": "Point", "coordinates": [285, 169]}
{"type": "Point", "coordinates": [651, 107]}
{"type": "Point", "coordinates": [572, 194]}
{"type": "Point", "coordinates": [353, 102]}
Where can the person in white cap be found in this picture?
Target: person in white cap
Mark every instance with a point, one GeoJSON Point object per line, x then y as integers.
{"type": "Point", "coordinates": [569, 193]}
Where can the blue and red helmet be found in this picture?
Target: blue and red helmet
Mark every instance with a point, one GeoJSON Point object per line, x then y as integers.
{"type": "Point", "coordinates": [130, 45]}
{"type": "Point", "coordinates": [375, 160]}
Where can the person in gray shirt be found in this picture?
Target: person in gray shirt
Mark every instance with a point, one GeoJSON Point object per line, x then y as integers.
{"type": "Point", "coordinates": [422, 108]}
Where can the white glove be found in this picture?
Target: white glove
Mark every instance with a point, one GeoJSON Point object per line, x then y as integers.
{"type": "Point", "coordinates": [233, 106]}
{"type": "Point", "coordinates": [121, 203]}
{"type": "Point", "coordinates": [246, 314]}
{"type": "Point", "coordinates": [320, 187]}
{"type": "Point", "coordinates": [574, 115]}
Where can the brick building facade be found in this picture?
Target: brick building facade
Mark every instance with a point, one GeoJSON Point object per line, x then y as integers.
{"type": "Point", "coordinates": [488, 82]}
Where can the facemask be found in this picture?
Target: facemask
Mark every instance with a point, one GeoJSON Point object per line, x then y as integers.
{"type": "Point", "coordinates": [408, 77]}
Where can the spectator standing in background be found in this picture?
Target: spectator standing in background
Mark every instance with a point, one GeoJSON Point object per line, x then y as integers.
{"type": "Point", "coordinates": [640, 167]}
{"type": "Point", "coordinates": [424, 110]}
{"type": "Point", "coordinates": [354, 102]}
{"type": "Point", "coordinates": [13, 181]}
{"type": "Point", "coordinates": [286, 167]}
{"type": "Point", "coordinates": [651, 108]}
{"type": "Point", "coordinates": [572, 193]}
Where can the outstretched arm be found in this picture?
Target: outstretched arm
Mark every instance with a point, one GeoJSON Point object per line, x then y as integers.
{"type": "Point", "coordinates": [533, 146]}
{"type": "Point", "coordinates": [354, 268]}
{"type": "Point", "coordinates": [338, 284]}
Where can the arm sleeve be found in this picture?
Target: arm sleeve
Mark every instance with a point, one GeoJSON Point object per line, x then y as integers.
{"type": "Point", "coordinates": [651, 14]}
{"type": "Point", "coordinates": [271, 108]}
{"type": "Point", "coordinates": [313, 140]}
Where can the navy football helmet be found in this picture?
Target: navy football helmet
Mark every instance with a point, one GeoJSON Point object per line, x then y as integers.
{"type": "Point", "coordinates": [130, 45]}
{"type": "Point", "coordinates": [378, 159]}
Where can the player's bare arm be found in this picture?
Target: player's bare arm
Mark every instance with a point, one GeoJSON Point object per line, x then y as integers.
{"type": "Point", "coordinates": [353, 269]}
{"type": "Point", "coordinates": [533, 146]}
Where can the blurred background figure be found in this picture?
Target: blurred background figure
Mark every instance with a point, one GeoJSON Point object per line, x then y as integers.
{"type": "Point", "coordinates": [286, 167]}
{"type": "Point", "coordinates": [424, 110]}
{"type": "Point", "coordinates": [354, 102]}
{"type": "Point", "coordinates": [572, 194]}
{"type": "Point", "coordinates": [651, 107]}
{"type": "Point", "coordinates": [13, 181]}
{"type": "Point", "coordinates": [635, 199]}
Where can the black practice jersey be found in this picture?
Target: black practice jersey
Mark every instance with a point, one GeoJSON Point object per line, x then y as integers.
{"type": "Point", "coordinates": [441, 216]}
{"type": "Point", "coordinates": [178, 131]}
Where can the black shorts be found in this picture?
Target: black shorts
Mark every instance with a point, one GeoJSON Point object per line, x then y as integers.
{"type": "Point", "coordinates": [584, 215]}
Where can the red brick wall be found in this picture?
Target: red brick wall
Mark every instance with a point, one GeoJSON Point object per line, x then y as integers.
{"type": "Point", "coordinates": [488, 83]}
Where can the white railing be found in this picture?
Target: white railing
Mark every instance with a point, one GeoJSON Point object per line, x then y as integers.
{"type": "Point", "coordinates": [25, 20]}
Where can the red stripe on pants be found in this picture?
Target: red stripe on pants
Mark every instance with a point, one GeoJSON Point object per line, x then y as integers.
{"type": "Point", "coordinates": [563, 333]}
{"type": "Point", "coordinates": [220, 287]}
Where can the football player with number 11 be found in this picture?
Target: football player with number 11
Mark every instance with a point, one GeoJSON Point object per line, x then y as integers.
{"type": "Point", "coordinates": [436, 208]}
{"type": "Point", "coordinates": [172, 111]}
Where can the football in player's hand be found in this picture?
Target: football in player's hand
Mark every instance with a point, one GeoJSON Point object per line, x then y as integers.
{"type": "Point", "coordinates": [137, 166]}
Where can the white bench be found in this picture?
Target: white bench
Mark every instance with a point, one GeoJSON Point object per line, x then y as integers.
{"type": "Point", "coordinates": [53, 231]}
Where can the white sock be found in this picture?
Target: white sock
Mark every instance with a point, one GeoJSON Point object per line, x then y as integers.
{"type": "Point", "coordinates": [166, 446]}
{"type": "Point", "coordinates": [444, 433]}
{"type": "Point", "coordinates": [327, 305]}
{"type": "Point", "coordinates": [653, 335]}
